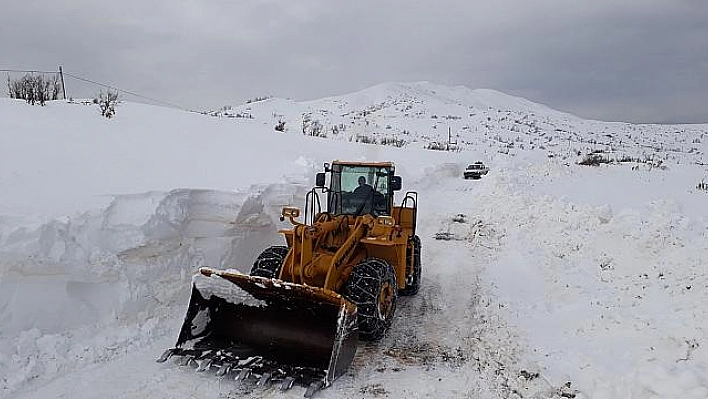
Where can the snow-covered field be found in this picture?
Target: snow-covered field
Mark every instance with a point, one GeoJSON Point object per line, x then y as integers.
{"type": "Point", "coordinates": [560, 280]}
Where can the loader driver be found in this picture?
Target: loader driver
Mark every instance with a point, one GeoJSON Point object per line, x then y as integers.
{"type": "Point", "coordinates": [362, 196]}
{"type": "Point", "coordinates": [364, 190]}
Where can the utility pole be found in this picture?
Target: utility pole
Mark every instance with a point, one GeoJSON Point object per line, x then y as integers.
{"type": "Point", "coordinates": [61, 76]}
{"type": "Point", "coordinates": [449, 137]}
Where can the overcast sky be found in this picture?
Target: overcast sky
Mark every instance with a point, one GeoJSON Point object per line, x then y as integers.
{"type": "Point", "coordinates": [614, 60]}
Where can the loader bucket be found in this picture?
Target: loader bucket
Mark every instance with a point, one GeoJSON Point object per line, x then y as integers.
{"type": "Point", "coordinates": [256, 326]}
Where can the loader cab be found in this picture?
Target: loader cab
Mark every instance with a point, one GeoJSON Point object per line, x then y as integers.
{"type": "Point", "coordinates": [360, 188]}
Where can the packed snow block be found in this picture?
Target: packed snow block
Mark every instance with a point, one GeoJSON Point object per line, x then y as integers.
{"type": "Point", "coordinates": [604, 214]}
{"type": "Point", "coordinates": [213, 204]}
{"type": "Point", "coordinates": [194, 213]}
{"type": "Point", "coordinates": [455, 229]}
{"type": "Point", "coordinates": [246, 242]}
{"type": "Point", "coordinates": [226, 229]}
{"type": "Point", "coordinates": [273, 197]}
{"type": "Point", "coordinates": [55, 304]}
{"type": "Point", "coordinates": [131, 209]}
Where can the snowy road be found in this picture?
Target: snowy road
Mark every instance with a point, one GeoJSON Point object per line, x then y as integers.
{"type": "Point", "coordinates": [445, 342]}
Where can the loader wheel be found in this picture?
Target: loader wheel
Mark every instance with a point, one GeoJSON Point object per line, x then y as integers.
{"type": "Point", "coordinates": [270, 261]}
{"type": "Point", "coordinates": [413, 281]}
{"type": "Point", "coordinates": [372, 288]}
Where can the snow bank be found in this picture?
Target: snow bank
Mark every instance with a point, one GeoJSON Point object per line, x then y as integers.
{"type": "Point", "coordinates": [613, 301]}
{"type": "Point", "coordinates": [88, 288]}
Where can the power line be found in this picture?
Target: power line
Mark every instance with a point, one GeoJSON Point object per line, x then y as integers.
{"type": "Point", "coordinates": [20, 70]}
{"type": "Point", "coordinates": [102, 85]}
{"type": "Point", "coordinates": [126, 92]}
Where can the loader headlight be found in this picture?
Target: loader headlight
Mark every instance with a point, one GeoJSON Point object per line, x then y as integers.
{"type": "Point", "coordinates": [290, 212]}
{"type": "Point", "coordinates": [386, 220]}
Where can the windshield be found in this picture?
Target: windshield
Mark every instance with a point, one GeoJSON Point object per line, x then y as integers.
{"type": "Point", "coordinates": [351, 176]}
{"type": "Point", "coordinates": [359, 189]}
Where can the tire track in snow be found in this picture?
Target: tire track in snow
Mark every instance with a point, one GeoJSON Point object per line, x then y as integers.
{"type": "Point", "coordinates": [449, 340]}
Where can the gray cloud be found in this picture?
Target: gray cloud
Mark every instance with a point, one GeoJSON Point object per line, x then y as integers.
{"type": "Point", "coordinates": [636, 60]}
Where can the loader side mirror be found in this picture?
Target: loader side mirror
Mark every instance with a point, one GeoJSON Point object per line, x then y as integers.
{"type": "Point", "coordinates": [320, 179]}
{"type": "Point", "coordinates": [396, 183]}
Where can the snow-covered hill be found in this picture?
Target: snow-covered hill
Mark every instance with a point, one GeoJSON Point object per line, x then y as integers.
{"type": "Point", "coordinates": [559, 280]}
{"type": "Point", "coordinates": [432, 116]}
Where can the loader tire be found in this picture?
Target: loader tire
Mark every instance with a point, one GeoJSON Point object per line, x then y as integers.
{"type": "Point", "coordinates": [413, 285]}
{"type": "Point", "coordinates": [270, 261]}
{"type": "Point", "coordinates": [372, 288]}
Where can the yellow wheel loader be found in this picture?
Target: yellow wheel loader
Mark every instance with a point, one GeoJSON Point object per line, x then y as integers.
{"type": "Point", "coordinates": [298, 316]}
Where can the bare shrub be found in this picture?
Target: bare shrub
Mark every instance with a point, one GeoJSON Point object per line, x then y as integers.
{"type": "Point", "coordinates": [107, 103]}
{"type": "Point", "coordinates": [593, 159]}
{"type": "Point", "coordinates": [365, 139]}
{"type": "Point", "coordinates": [312, 127]}
{"type": "Point", "coordinates": [257, 99]}
{"type": "Point", "coordinates": [627, 158]}
{"type": "Point", "coordinates": [442, 147]}
{"type": "Point", "coordinates": [336, 129]}
{"type": "Point", "coordinates": [393, 141]}
{"type": "Point", "coordinates": [280, 126]}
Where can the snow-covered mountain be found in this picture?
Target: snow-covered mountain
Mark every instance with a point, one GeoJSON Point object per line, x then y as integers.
{"type": "Point", "coordinates": [433, 116]}
{"type": "Point", "coordinates": [560, 280]}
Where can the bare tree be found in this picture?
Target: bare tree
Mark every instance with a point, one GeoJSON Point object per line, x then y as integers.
{"type": "Point", "coordinates": [35, 89]}
{"type": "Point", "coordinates": [14, 88]}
